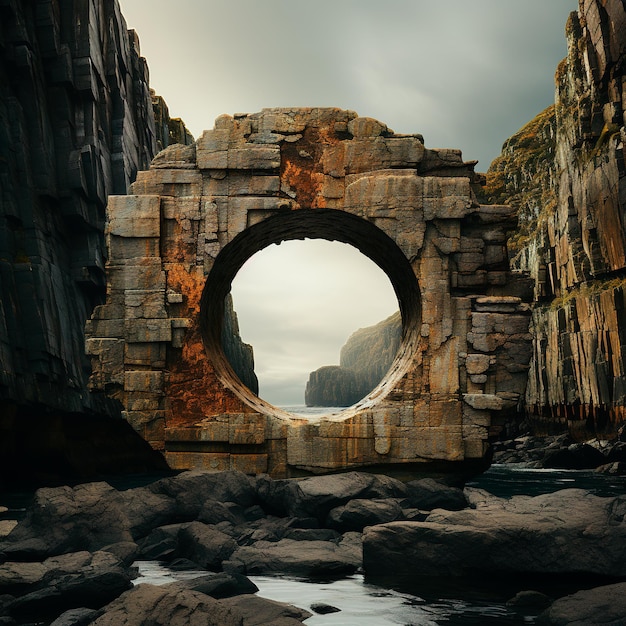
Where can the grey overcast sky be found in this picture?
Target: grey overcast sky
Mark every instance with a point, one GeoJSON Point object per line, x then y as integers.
{"type": "Point", "coordinates": [466, 74]}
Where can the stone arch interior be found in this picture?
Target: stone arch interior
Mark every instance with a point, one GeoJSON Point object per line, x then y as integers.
{"type": "Point", "coordinates": [303, 224]}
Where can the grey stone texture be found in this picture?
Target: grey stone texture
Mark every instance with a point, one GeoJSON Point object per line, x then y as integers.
{"type": "Point", "coordinates": [177, 241]}
{"type": "Point", "coordinates": [76, 124]}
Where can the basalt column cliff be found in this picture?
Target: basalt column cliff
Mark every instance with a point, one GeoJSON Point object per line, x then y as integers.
{"type": "Point", "coordinates": [77, 121]}
{"type": "Point", "coordinates": [565, 171]}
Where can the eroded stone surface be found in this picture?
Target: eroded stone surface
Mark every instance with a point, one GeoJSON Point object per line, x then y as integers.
{"type": "Point", "coordinates": [565, 171]}
{"type": "Point", "coordinates": [281, 174]}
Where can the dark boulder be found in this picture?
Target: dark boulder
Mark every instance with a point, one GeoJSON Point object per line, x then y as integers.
{"type": "Point", "coordinates": [65, 519]}
{"type": "Point", "coordinates": [77, 617]}
{"type": "Point", "coordinates": [428, 494]}
{"type": "Point", "coordinates": [258, 611]}
{"type": "Point", "coordinates": [304, 558]}
{"type": "Point", "coordinates": [205, 545]}
{"type": "Point", "coordinates": [602, 605]}
{"type": "Point", "coordinates": [358, 513]}
{"type": "Point", "coordinates": [531, 600]}
{"type": "Point", "coordinates": [214, 512]}
{"type": "Point", "coordinates": [162, 543]}
{"type": "Point", "coordinates": [182, 498]}
{"type": "Point", "coordinates": [79, 580]}
{"type": "Point", "coordinates": [577, 456]}
{"type": "Point", "coordinates": [164, 606]}
{"type": "Point", "coordinates": [324, 609]}
{"type": "Point", "coordinates": [567, 532]}
{"type": "Point", "coordinates": [219, 585]}
{"type": "Point", "coordinates": [316, 496]}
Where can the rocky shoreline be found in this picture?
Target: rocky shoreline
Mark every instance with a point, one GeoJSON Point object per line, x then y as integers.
{"type": "Point", "coordinates": [563, 452]}
{"type": "Point", "coordinates": [69, 561]}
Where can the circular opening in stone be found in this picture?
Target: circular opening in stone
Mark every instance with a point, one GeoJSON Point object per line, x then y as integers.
{"type": "Point", "coordinates": [323, 323]}
{"type": "Point", "coordinates": [326, 224]}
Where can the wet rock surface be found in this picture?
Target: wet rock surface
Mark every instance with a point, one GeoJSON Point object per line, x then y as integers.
{"type": "Point", "coordinates": [329, 527]}
{"type": "Point", "coordinates": [566, 532]}
{"type": "Point", "coordinates": [562, 452]}
{"type": "Point", "coordinates": [600, 605]}
{"type": "Point", "coordinates": [71, 555]}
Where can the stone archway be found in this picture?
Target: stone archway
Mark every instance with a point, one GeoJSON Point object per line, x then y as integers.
{"type": "Point", "coordinates": [200, 212]}
{"type": "Point", "coordinates": [327, 224]}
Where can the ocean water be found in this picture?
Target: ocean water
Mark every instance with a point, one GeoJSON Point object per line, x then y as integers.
{"type": "Point", "coordinates": [312, 412]}
{"type": "Point", "coordinates": [362, 603]}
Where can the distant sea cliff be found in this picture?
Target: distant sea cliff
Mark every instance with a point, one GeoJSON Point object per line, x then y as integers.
{"type": "Point", "coordinates": [363, 362]}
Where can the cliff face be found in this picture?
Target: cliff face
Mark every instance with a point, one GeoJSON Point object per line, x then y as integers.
{"type": "Point", "coordinates": [565, 171]}
{"type": "Point", "coordinates": [76, 124]}
{"type": "Point", "coordinates": [240, 355]}
{"type": "Point", "coordinates": [364, 360]}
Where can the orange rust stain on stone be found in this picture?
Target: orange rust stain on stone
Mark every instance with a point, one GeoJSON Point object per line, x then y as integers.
{"type": "Point", "coordinates": [190, 284]}
{"type": "Point", "coordinates": [194, 391]}
{"type": "Point", "coordinates": [305, 184]}
{"type": "Point", "coordinates": [300, 170]}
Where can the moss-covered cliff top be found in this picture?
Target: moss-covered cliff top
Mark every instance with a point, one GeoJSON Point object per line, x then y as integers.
{"type": "Point", "coordinates": [524, 175]}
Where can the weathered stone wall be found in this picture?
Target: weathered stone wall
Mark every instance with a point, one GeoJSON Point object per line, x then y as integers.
{"type": "Point", "coordinates": [574, 244]}
{"type": "Point", "coordinates": [76, 124]}
{"type": "Point", "coordinates": [201, 211]}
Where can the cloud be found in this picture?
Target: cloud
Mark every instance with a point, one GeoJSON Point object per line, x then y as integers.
{"type": "Point", "coordinates": [318, 294]}
{"type": "Point", "coordinates": [464, 74]}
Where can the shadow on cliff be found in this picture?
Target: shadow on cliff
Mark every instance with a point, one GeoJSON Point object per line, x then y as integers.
{"type": "Point", "coordinates": [43, 448]}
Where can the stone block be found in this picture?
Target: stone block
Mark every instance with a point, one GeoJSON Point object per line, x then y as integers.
{"type": "Point", "coordinates": [361, 127]}
{"type": "Point", "coordinates": [252, 464]}
{"type": "Point", "coordinates": [144, 381]}
{"type": "Point", "coordinates": [446, 198]}
{"type": "Point", "coordinates": [151, 355]}
{"type": "Point", "coordinates": [254, 157]}
{"type": "Point", "coordinates": [216, 140]}
{"type": "Point", "coordinates": [349, 429]}
{"type": "Point", "coordinates": [484, 401]}
{"type": "Point", "coordinates": [278, 121]}
{"type": "Point", "coordinates": [240, 184]}
{"type": "Point", "coordinates": [179, 209]}
{"type": "Point", "coordinates": [105, 328]}
{"type": "Point", "coordinates": [246, 429]}
{"type": "Point", "coordinates": [145, 303]}
{"type": "Point", "coordinates": [139, 273]}
{"type": "Point", "coordinates": [478, 379]}
{"type": "Point", "coordinates": [207, 461]}
{"type": "Point", "coordinates": [475, 448]}
{"type": "Point", "coordinates": [444, 413]}
{"type": "Point", "coordinates": [476, 417]}
{"type": "Point", "coordinates": [477, 363]}
{"type": "Point", "coordinates": [212, 160]}
{"type": "Point", "coordinates": [133, 247]}
{"type": "Point", "coordinates": [444, 368]}
{"type": "Point", "coordinates": [147, 330]}
{"type": "Point", "coordinates": [134, 216]}
{"type": "Point", "coordinates": [383, 191]}
{"type": "Point", "coordinates": [469, 262]}
{"type": "Point", "coordinates": [497, 304]}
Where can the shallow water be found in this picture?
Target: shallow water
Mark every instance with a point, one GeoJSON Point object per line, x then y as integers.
{"type": "Point", "coordinates": [509, 480]}
{"type": "Point", "coordinates": [360, 603]}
